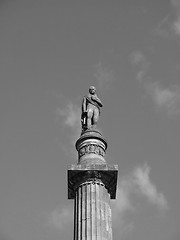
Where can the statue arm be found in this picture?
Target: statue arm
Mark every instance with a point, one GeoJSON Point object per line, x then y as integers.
{"type": "Point", "coordinates": [97, 100]}
{"type": "Point", "coordinates": [84, 105]}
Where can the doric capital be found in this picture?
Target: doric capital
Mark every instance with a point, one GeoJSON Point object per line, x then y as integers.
{"type": "Point", "coordinates": [101, 174]}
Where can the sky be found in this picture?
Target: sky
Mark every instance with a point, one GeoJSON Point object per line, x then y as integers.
{"type": "Point", "coordinates": [51, 51]}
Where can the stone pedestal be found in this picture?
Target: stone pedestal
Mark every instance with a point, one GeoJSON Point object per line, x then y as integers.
{"type": "Point", "coordinates": [92, 183]}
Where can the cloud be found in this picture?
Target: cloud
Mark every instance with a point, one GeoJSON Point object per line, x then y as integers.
{"type": "Point", "coordinates": [137, 58]}
{"type": "Point", "coordinates": [70, 115]}
{"type": "Point", "coordinates": [123, 199]}
{"type": "Point", "coordinates": [169, 26]}
{"type": "Point", "coordinates": [121, 206]}
{"type": "Point", "coordinates": [175, 3]}
{"type": "Point", "coordinates": [141, 180]}
{"type": "Point", "coordinates": [138, 183]}
{"type": "Point", "coordinates": [103, 76]}
{"type": "Point", "coordinates": [166, 98]}
{"type": "Point", "coordinates": [176, 23]}
{"type": "Point", "coordinates": [163, 98]}
{"type": "Point", "coordinates": [163, 27]}
{"type": "Point", "coordinates": [69, 118]}
{"type": "Point", "coordinates": [60, 217]}
{"type": "Point", "coordinates": [176, 26]}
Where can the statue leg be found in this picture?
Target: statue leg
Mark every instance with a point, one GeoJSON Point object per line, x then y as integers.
{"type": "Point", "coordinates": [95, 117]}
{"type": "Point", "coordinates": [89, 118]}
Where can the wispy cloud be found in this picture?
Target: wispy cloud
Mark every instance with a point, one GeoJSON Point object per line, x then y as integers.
{"type": "Point", "coordinates": [71, 114]}
{"type": "Point", "coordinates": [70, 117]}
{"type": "Point", "coordinates": [176, 23]}
{"type": "Point", "coordinates": [137, 183]}
{"type": "Point", "coordinates": [165, 98]}
{"type": "Point", "coordinates": [176, 26]}
{"type": "Point", "coordinates": [137, 58]}
{"type": "Point", "coordinates": [146, 188]}
{"type": "Point", "coordinates": [169, 26]}
{"type": "Point", "coordinates": [60, 217]}
{"type": "Point", "coordinates": [175, 3]}
{"type": "Point", "coordinates": [163, 28]}
{"type": "Point", "coordinates": [121, 206]}
{"type": "Point", "coordinates": [103, 76]}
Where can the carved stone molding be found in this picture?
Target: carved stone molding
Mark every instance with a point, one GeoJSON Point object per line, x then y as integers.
{"type": "Point", "coordinates": [91, 149]}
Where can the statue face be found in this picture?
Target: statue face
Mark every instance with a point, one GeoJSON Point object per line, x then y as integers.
{"type": "Point", "coordinates": [92, 90]}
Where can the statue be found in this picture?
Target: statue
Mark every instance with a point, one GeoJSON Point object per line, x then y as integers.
{"type": "Point", "coordinates": [90, 110]}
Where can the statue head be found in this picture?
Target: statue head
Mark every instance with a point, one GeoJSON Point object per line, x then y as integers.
{"type": "Point", "coordinates": [92, 90]}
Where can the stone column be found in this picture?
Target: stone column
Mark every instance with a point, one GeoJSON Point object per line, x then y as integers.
{"type": "Point", "coordinates": [92, 212]}
{"type": "Point", "coordinates": [92, 183]}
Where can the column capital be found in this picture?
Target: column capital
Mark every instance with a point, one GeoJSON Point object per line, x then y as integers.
{"type": "Point", "coordinates": [102, 174]}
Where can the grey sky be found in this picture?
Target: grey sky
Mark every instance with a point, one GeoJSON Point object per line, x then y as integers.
{"type": "Point", "coordinates": [51, 51]}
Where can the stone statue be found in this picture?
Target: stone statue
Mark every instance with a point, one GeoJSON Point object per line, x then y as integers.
{"type": "Point", "coordinates": [90, 110]}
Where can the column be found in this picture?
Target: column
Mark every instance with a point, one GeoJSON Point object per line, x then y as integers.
{"type": "Point", "coordinates": [92, 212]}
{"type": "Point", "coordinates": [92, 183]}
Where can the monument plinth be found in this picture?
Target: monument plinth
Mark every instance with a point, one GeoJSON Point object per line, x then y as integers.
{"type": "Point", "coordinates": [92, 182]}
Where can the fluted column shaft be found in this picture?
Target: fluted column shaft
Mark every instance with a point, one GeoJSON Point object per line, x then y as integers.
{"type": "Point", "coordinates": [92, 212]}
